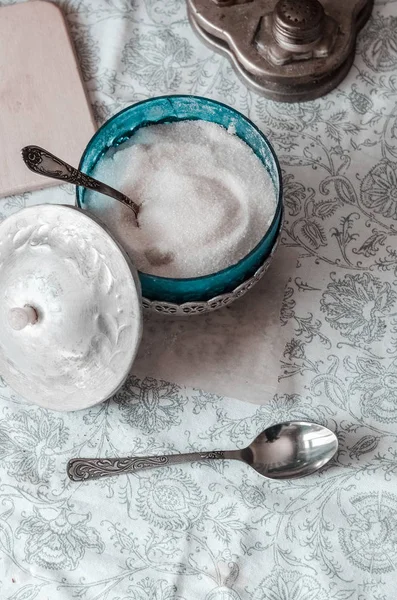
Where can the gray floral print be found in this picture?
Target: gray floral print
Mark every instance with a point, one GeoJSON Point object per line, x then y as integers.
{"type": "Point", "coordinates": [370, 542]}
{"type": "Point", "coordinates": [223, 593]}
{"type": "Point", "coordinates": [170, 499]}
{"type": "Point", "coordinates": [87, 49]}
{"type": "Point", "coordinates": [294, 194]}
{"type": "Point", "coordinates": [284, 407]}
{"type": "Point", "coordinates": [368, 443]}
{"type": "Point", "coordinates": [379, 189]}
{"type": "Point", "coordinates": [357, 306]}
{"type": "Point", "coordinates": [360, 102]}
{"type": "Point", "coordinates": [290, 585]}
{"type": "Point", "coordinates": [28, 440]}
{"type": "Point", "coordinates": [294, 349]}
{"type": "Point", "coordinates": [300, 116]}
{"type": "Point", "coordinates": [156, 59]}
{"type": "Point", "coordinates": [379, 44]}
{"type": "Point", "coordinates": [287, 306]}
{"type": "Point", "coordinates": [148, 589]}
{"type": "Point", "coordinates": [150, 404]}
{"type": "Point", "coordinates": [58, 539]}
{"type": "Point", "coordinates": [377, 384]}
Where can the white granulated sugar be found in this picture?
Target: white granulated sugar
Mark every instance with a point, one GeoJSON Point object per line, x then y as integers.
{"type": "Point", "coordinates": [205, 198]}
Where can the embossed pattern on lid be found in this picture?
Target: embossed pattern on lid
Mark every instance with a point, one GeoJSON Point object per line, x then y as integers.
{"type": "Point", "coordinates": [70, 311]}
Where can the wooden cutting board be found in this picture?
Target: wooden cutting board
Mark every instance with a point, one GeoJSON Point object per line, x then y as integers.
{"type": "Point", "coordinates": [42, 98]}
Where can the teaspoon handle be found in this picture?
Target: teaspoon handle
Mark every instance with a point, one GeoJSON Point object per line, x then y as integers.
{"type": "Point", "coordinates": [82, 469]}
{"type": "Point", "coordinates": [43, 162]}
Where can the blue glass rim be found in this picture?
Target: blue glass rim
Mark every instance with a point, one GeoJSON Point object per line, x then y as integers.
{"type": "Point", "coordinates": [279, 205]}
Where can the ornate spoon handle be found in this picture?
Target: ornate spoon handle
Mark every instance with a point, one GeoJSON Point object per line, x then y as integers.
{"type": "Point", "coordinates": [43, 162]}
{"type": "Point", "coordinates": [81, 469]}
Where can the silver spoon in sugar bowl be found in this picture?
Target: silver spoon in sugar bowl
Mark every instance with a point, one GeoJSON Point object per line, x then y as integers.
{"type": "Point", "coordinates": [42, 162]}
{"type": "Point", "coordinates": [284, 451]}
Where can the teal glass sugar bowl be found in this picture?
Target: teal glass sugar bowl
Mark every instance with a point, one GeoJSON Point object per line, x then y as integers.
{"type": "Point", "coordinates": [208, 292]}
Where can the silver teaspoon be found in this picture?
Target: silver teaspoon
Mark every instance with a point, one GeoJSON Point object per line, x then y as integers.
{"type": "Point", "coordinates": [283, 451]}
{"type": "Point", "coordinates": [43, 162]}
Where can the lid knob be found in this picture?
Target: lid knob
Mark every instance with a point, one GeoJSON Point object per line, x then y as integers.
{"type": "Point", "coordinates": [19, 318]}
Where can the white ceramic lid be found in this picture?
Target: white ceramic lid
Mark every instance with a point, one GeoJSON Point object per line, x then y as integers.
{"type": "Point", "coordinates": [70, 308]}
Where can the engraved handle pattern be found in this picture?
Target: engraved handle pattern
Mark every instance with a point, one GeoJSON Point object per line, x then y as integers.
{"type": "Point", "coordinates": [81, 469]}
{"type": "Point", "coordinates": [43, 162]}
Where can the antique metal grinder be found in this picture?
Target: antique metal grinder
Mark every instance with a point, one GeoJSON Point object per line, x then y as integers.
{"type": "Point", "coordinates": [287, 50]}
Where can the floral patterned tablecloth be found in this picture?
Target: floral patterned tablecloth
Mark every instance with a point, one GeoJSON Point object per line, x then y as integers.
{"type": "Point", "coordinates": [219, 532]}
